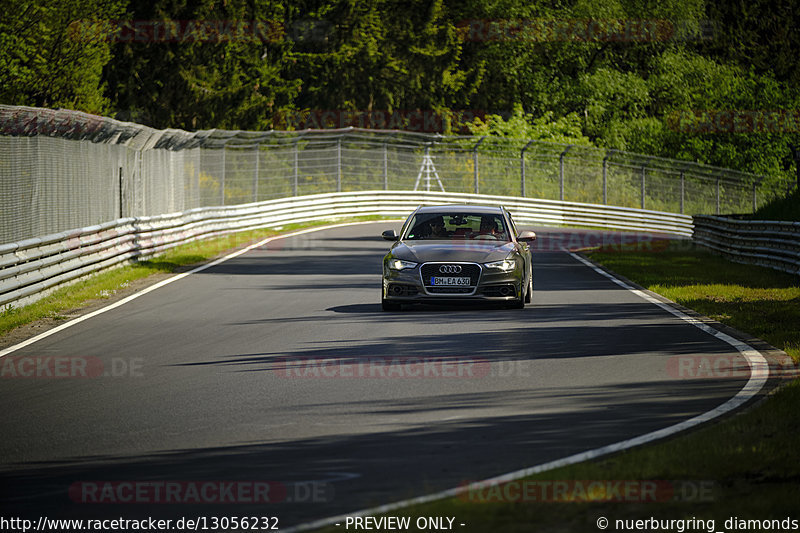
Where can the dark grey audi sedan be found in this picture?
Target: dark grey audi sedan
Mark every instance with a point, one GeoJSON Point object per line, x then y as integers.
{"type": "Point", "coordinates": [456, 253]}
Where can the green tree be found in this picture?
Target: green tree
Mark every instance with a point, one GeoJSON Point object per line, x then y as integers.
{"type": "Point", "coordinates": [46, 59]}
{"type": "Point", "coordinates": [201, 65]}
{"type": "Point", "coordinates": [758, 33]}
{"type": "Point", "coordinates": [521, 125]}
{"type": "Point", "coordinates": [380, 55]}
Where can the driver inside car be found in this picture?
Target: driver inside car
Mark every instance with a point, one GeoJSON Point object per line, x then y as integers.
{"type": "Point", "coordinates": [438, 230]}
{"type": "Point", "coordinates": [488, 229]}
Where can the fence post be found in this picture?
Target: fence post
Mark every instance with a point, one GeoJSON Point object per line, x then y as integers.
{"type": "Point", "coordinates": [121, 215]}
{"type": "Point", "coordinates": [222, 182]}
{"type": "Point", "coordinates": [605, 175]}
{"type": "Point", "coordinates": [139, 209]}
{"type": "Point", "coordinates": [475, 163]}
{"type": "Point", "coordinates": [385, 167]}
{"type": "Point", "coordinates": [683, 189]}
{"type": "Point", "coordinates": [561, 171]}
{"type": "Point", "coordinates": [522, 167]}
{"type": "Point", "coordinates": [718, 196]}
{"type": "Point", "coordinates": [644, 170]}
{"type": "Point", "coordinates": [296, 165]}
{"type": "Point", "coordinates": [255, 177]}
{"type": "Point", "coordinates": [427, 169]}
{"type": "Point", "coordinates": [339, 164]}
{"type": "Point", "coordinates": [755, 204]}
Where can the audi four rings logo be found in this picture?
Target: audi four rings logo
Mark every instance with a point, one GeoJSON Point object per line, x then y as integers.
{"type": "Point", "coordinates": [450, 269]}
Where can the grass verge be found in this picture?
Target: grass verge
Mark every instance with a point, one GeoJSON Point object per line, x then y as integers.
{"type": "Point", "coordinates": [745, 467]}
{"type": "Point", "coordinates": [60, 304]}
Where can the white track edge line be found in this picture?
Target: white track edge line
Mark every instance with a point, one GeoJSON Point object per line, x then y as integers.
{"type": "Point", "coordinates": [169, 280]}
{"type": "Point", "coordinates": [759, 372]}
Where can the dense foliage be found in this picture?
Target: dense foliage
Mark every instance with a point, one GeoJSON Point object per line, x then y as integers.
{"type": "Point", "coordinates": [715, 82]}
{"type": "Point", "coordinates": [786, 209]}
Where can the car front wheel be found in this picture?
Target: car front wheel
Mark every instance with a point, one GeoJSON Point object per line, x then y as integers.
{"type": "Point", "coordinates": [518, 303]}
{"type": "Point", "coordinates": [529, 293]}
{"type": "Point", "coordinates": [389, 306]}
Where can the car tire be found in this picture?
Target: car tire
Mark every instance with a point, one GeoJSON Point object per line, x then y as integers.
{"type": "Point", "coordinates": [529, 293]}
{"type": "Point", "coordinates": [389, 306]}
{"type": "Point", "coordinates": [517, 303]}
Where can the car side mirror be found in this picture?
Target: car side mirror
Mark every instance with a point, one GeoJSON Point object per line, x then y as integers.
{"type": "Point", "coordinates": [527, 236]}
{"type": "Point", "coordinates": [390, 235]}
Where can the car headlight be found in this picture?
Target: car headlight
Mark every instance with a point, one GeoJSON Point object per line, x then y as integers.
{"type": "Point", "coordinates": [399, 264]}
{"type": "Point", "coordinates": [506, 265]}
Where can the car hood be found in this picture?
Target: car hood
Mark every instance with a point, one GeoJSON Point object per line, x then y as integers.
{"type": "Point", "coordinates": [472, 251]}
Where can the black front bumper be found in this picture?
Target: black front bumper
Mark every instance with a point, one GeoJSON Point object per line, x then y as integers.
{"type": "Point", "coordinates": [407, 286]}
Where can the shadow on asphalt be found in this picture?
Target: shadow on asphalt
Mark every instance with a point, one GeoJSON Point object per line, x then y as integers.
{"type": "Point", "coordinates": [445, 455]}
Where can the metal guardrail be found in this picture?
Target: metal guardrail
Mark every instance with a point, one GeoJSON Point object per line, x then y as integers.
{"type": "Point", "coordinates": [770, 244]}
{"type": "Point", "coordinates": [32, 268]}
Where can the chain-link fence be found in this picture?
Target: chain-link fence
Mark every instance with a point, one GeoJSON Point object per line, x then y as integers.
{"type": "Point", "coordinates": [63, 169]}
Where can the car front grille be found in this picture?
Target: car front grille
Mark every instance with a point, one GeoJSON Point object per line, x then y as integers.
{"type": "Point", "coordinates": [431, 270]}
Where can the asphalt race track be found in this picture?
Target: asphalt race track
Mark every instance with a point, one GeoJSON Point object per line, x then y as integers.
{"type": "Point", "coordinates": [279, 367]}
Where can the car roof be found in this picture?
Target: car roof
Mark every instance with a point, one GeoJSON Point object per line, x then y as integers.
{"type": "Point", "coordinates": [452, 208]}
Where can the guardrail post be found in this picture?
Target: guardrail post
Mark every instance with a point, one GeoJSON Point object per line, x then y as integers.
{"type": "Point", "coordinates": [561, 171]}
{"type": "Point", "coordinates": [522, 167]}
{"type": "Point", "coordinates": [683, 189]}
{"type": "Point", "coordinates": [475, 163]}
{"type": "Point", "coordinates": [644, 170]}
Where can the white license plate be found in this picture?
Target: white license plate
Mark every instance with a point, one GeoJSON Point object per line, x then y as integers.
{"type": "Point", "coordinates": [450, 281]}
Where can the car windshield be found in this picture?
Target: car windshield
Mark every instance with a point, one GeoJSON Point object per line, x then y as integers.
{"type": "Point", "coordinates": [457, 226]}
